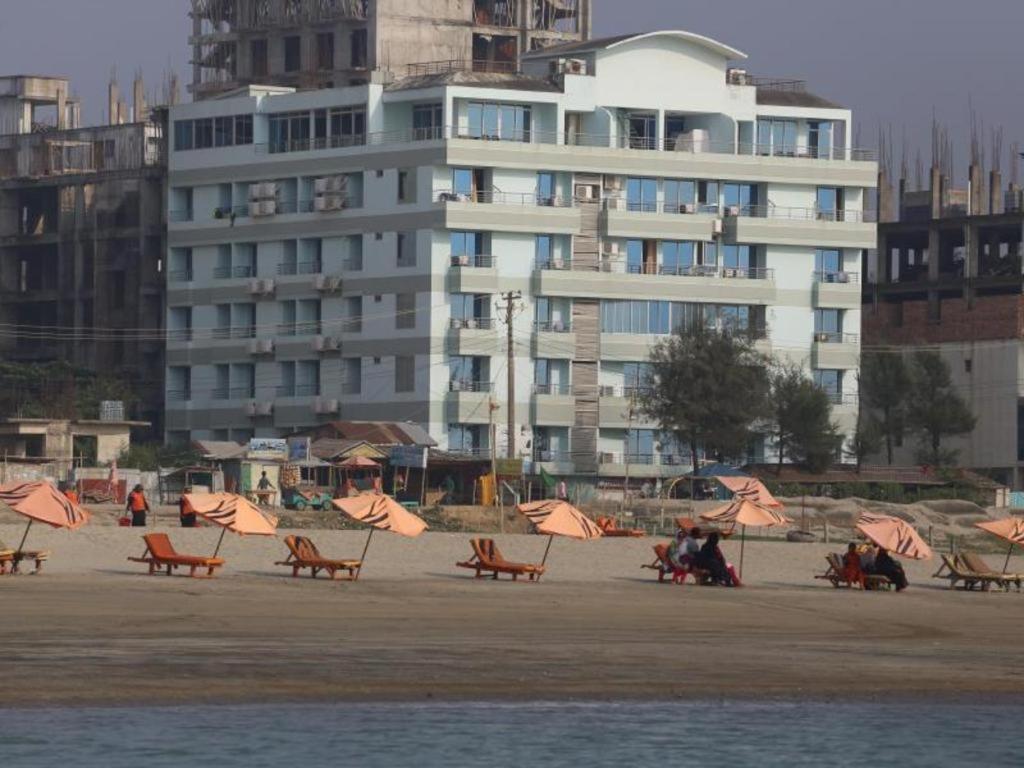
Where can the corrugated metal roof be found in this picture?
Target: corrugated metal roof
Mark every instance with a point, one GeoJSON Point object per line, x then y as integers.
{"type": "Point", "coordinates": [781, 98]}
{"type": "Point", "coordinates": [219, 449]}
{"type": "Point", "coordinates": [373, 432]}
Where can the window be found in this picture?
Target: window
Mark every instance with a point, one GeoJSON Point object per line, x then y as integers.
{"type": "Point", "coordinates": [677, 258]}
{"type": "Point", "coordinates": [545, 188]}
{"type": "Point", "coordinates": [642, 195]}
{"type": "Point", "coordinates": [325, 51]}
{"type": "Point", "coordinates": [645, 317]}
{"type": "Point", "coordinates": [642, 257]}
{"type": "Point", "coordinates": [292, 53]}
{"type": "Point", "coordinates": [776, 137]}
{"type": "Point", "coordinates": [469, 307]}
{"type": "Point", "coordinates": [542, 249]}
{"type": "Point", "coordinates": [406, 186]}
{"type": "Point", "coordinates": [289, 132]}
{"type": "Point", "coordinates": [183, 138]}
{"type": "Point", "coordinates": [707, 196]}
{"type": "Point", "coordinates": [828, 325]}
{"type": "Point", "coordinates": [223, 131]}
{"type": "Point", "coordinates": [641, 128]}
{"type": "Point", "coordinates": [243, 380]}
{"type": "Point", "coordinates": [486, 120]}
{"type": "Point", "coordinates": [465, 438]}
{"type": "Point", "coordinates": [740, 199]}
{"type": "Point", "coordinates": [286, 376]}
{"type": "Point", "coordinates": [359, 49]}
{"type": "Point", "coordinates": [680, 196]}
{"type": "Point", "coordinates": [222, 379]}
{"type": "Point", "coordinates": [243, 129]}
{"type": "Point", "coordinates": [307, 378]}
{"type": "Point", "coordinates": [428, 121]}
{"type": "Point", "coordinates": [636, 378]}
{"type": "Point", "coordinates": [820, 138]}
{"type": "Point", "coordinates": [828, 262]}
{"type": "Point", "coordinates": [351, 375]}
{"type": "Point", "coordinates": [347, 126]}
{"type": "Point", "coordinates": [405, 310]}
{"type": "Point", "coordinates": [204, 133]}
{"type": "Point", "coordinates": [639, 446]}
{"type": "Point", "coordinates": [831, 382]}
{"type": "Point", "coordinates": [736, 257]}
{"type": "Point", "coordinates": [406, 249]}
{"type": "Point", "coordinates": [468, 374]}
{"type": "Point", "coordinates": [353, 322]}
{"type": "Point", "coordinates": [179, 383]}
{"type": "Point", "coordinates": [405, 373]}
{"type": "Point", "coordinates": [258, 57]}
{"type": "Point", "coordinates": [829, 203]}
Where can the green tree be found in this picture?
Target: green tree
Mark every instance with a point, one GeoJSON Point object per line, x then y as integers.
{"type": "Point", "coordinates": [150, 457]}
{"type": "Point", "coordinates": [801, 417]}
{"type": "Point", "coordinates": [866, 439]}
{"type": "Point", "coordinates": [707, 388]}
{"type": "Point", "coordinates": [934, 410]}
{"type": "Point", "coordinates": [884, 388]}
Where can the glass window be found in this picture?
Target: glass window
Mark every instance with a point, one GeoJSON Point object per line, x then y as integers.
{"type": "Point", "coordinates": [742, 197]}
{"type": "Point", "coordinates": [707, 196]}
{"type": "Point", "coordinates": [427, 121]}
{"type": "Point", "coordinates": [292, 53]}
{"type": "Point", "coordinates": [680, 196]}
{"type": "Point", "coordinates": [223, 131]}
{"type": "Point", "coordinates": [641, 128]}
{"type": "Point", "coordinates": [828, 322]}
{"type": "Point", "coordinates": [736, 256]}
{"type": "Point", "coordinates": [351, 375]}
{"type": "Point", "coordinates": [642, 194]}
{"type": "Point", "coordinates": [640, 445]}
{"type": "Point", "coordinates": [642, 317]}
{"type": "Point", "coordinates": [819, 138]}
{"type": "Point", "coordinates": [204, 133]}
{"type": "Point", "coordinates": [827, 262]}
{"type": "Point", "coordinates": [465, 243]}
{"type": "Point", "coordinates": [243, 129]}
{"type": "Point", "coordinates": [347, 127]}
{"type": "Point", "coordinates": [462, 182]}
{"type": "Point", "coordinates": [677, 257]}
{"type": "Point", "coordinates": [829, 202]}
{"type": "Point", "coordinates": [183, 135]}
{"type": "Point", "coordinates": [828, 380]}
{"type": "Point", "coordinates": [545, 188]}
{"type": "Point", "coordinates": [543, 251]}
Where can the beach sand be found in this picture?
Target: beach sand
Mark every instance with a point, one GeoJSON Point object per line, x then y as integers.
{"type": "Point", "coordinates": [93, 628]}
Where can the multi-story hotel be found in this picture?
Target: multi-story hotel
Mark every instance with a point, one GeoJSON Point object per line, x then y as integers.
{"type": "Point", "coordinates": [347, 253]}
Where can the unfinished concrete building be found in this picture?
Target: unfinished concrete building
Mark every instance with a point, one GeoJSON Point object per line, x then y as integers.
{"type": "Point", "coordinates": [310, 44]}
{"type": "Point", "coordinates": [82, 235]}
{"type": "Point", "coordinates": [948, 277]}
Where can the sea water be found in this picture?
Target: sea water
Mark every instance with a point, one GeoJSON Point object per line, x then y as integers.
{"type": "Point", "coordinates": [427, 735]}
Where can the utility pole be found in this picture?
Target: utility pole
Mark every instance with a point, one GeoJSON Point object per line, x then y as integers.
{"type": "Point", "coordinates": [510, 306]}
{"type": "Point", "coordinates": [629, 429]}
{"type": "Point", "coordinates": [493, 433]}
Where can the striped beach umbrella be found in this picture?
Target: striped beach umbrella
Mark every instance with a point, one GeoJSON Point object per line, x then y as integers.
{"type": "Point", "coordinates": [40, 502]}
{"type": "Point", "coordinates": [751, 489]}
{"type": "Point", "coordinates": [559, 518]}
{"type": "Point", "coordinates": [232, 513]}
{"type": "Point", "coordinates": [743, 512]}
{"type": "Point", "coordinates": [383, 512]}
{"type": "Point", "coordinates": [895, 535]}
{"type": "Point", "coordinates": [1010, 528]}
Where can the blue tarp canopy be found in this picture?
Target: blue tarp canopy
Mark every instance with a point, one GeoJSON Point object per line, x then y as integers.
{"type": "Point", "coordinates": [719, 470]}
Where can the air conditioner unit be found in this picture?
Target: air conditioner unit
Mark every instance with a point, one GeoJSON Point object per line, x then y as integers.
{"type": "Point", "coordinates": [842, 277]}
{"type": "Point", "coordinates": [325, 344]}
{"type": "Point", "coordinates": [320, 185]}
{"type": "Point", "coordinates": [255, 208]}
{"type": "Point", "coordinates": [730, 273]}
{"type": "Point", "coordinates": [606, 458]}
{"type": "Point", "coordinates": [321, 204]}
{"type": "Point", "coordinates": [461, 260]}
{"type": "Point", "coordinates": [325, 405]}
{"type": "Point", "coordinates": [617, 204]}
{"type": "Point", "coordinates": [257, 408]}
{"type": "Point", "coordinates": [613, 183]}
{"type": "Point", "coordinates": [606, 391]}
{"type": "Point", "coordinates": [324, 283]}
{"type": "Point", "coordinates": [557, 262]}
{"type": "Point", "coordinates": [261, 287]}
{"type": "Point", "coordinates": [558, 326]}
{"type": "Point", "coordinates": [688, 208]}
{"type": "Point", "coordinates": [717, 227]}
{"type": "Point", "coordinates": [821, 337]}
{"type": "Point", "coordinates": [732, 210]}
{"type": "Point", "coordinates": [268, 207]}
{"type": "Point", "coordinates": [575, 66]}
{"type": "Point", "coordinates": [613, 247]}
{"type": "Point", "coordinates": [584, 192]}
{"type": "Point", "coordinates": [261, 347]}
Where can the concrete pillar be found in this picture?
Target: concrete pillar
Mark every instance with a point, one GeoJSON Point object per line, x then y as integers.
{"type": "Point", "coordinates": [884, 197]}
{"type": "Point", "coordinates": [62, 106]}
{"type": "Point", "coordinates": [976, 190]}
{"type": "Point", "coordinates": [138, 100]}
{"type": "Point", "coordinates": [935, 187]}
{"type": "Point", "coordinates": [995, 192]}
{"type": "Point", "coordinates": [113, 103]}
{"type": "Point", "coordinates": [899, 203]}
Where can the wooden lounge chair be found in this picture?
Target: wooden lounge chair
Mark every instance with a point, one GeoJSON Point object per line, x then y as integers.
{"type": "Point", "coordinates": [666, 568]}
{"type": "Point", "coordinates": [487, 558]}
{"type": "Point", "coordinates": [836, 575]}
{"type": "Point", "coordinates": [302, 553]}
{"type": "Point", "coordinates": [612, 530]}
{"type": "Point", "coordinates": [687, 524]}
{"type": "Point", "coordinates": [11, 559]}
{"type": "Point", "coordinates": [977, 564]}
{"type": "Point", "coordinates": [956, 571]}
{"type": "Point", "coordinates": [160, 553]}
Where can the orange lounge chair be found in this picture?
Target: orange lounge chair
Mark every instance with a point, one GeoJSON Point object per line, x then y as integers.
{"type": "Point", "coordinates": [665, 567]}
{"type": "Point", "coordinates": [611, 529]}
{"type": "Point", "coordinates": [687, 524]}
{"type": "Point", "coordinates": [488, 558]}
{"type": "Point", "coordinates": [160, 553]}
{"type": "Point", "coordinates": [302, 553]}
{"type": "Point", "coordinates": [11, 559]}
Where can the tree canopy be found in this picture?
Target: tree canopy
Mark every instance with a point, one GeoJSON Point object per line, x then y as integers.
{"type": "Point", "coordinates": [935, 410]}
{"type": "Point", "coordinates": [884, 389]}
{"type": "Point", "coordinates": [801, 420]}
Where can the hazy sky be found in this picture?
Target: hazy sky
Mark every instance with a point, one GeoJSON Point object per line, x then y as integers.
{"type": "Point", "coordinates": [892, 61]}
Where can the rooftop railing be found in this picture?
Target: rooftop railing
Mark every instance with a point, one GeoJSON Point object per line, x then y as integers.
{"type": "Point", "coordinates": [491, 196]}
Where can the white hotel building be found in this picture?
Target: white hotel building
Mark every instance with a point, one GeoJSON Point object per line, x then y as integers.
{"type": "Point", "coordinates": [341, 254]}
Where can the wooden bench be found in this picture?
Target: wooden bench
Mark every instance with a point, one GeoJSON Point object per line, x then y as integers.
{"type": "Point", "coordinates": [487, 558]}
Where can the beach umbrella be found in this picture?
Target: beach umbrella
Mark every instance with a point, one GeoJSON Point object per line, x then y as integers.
{"type": "Point", "coordinates": [559, 518]}
{"type": "Point", "coordinates": [895, 535]}
{"type": "Point", "coordinates": [232, 513]}
{"type": "Point", "coordinates": [380, 511]}
{"type": "Point", "coordinates": [743, 512]}
{"type": "Point", "coordinates": [751, 489]}
{"type": "Point", "coordinates": [1010, 528]}
{"type": "Point", "coordinates": [40, 502]}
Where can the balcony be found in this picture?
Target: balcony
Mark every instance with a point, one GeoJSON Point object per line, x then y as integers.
{"type": "Point", "coordinates": [641, 465]}
{"type": "Point", "coordinates": [240, 271]}
{"type": "Point", "coordinates": [179, 395]}
{"type": "Point", "coordinates": [832, 350]}
{"type": "Point", "coordinates": [309, 328]}
{"type": "Point", "coordinates": [810, 227]}
{"type": "Point", "coordinates": [473, 273]}
{"type": "Point", "coordinates": [235, 332]}
{"type": "Point", "coordinates": [179, 276]}
{"type": "Point", "coordinates": [664, 221]}
{"type": "Point", "coordinates": [554, 339]}
{"type": "Point", "coordinates": [472, 336]}
{"type": "Point", "coordinates": [469, 405]}
{"type": "Point", "coordinates": [837, 290]}
{"type": "Point", "coordinates": [312, 267]}
{"type": "Point", "coordinates": [523, 212]}
{"type": "Point", "coordinates": [554, 462]}
{"type": "Point", "coordinates": [553, 405]}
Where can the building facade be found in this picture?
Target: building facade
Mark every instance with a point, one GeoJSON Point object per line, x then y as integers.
{"type": "Point", "coordinates": [310, 44]}
{"type": "Point", "coordinates": [348, 253]}
{"type": "Point", "coordinates": [83, 237]}
{"type": "Point", "coordinates": [947, 277]}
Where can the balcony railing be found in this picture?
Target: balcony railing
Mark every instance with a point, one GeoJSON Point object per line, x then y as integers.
{"type": "Point", "coordinates": [179, 395]}
{"type": "Point", "coordinates": [235, 332]}
{"type": "Point", "coordinates": [552, 326]}
{"type": "Point", "coordinates": [179, 334]}
{"type": "Point", "coordinates": [619, 265]}
{"type": "Point", "coordinates": [311, 327]}
{"type": "Point", "coordinates": [627, 391]}
{"type": "Point", "coordinates": [661, 206]}
{"type": "Point", "coordinates": [496, 197]}
{"type": "Point", "coordinates": [473, 260]}
{"type": "Point", "coordinates": [352, 325]}
{"type": "Point", "coordinates": [471, 323]}
{"type": "Point", "coordinates": [552, 457]}
{"type": "Point", "coordinates": [313, 267]}
{"type": "Point", "coordinates": [468, 385]}
{"type": "Point", "coordinates": [552, 389]}
{"type": "Point", "coordinates": [801, 214]}
{"type": "Point", "coordinates": [223, 273]}
{"type": "Point", "coordinates": [836, 276]}
{"type": "Point", "coordinates": [840, 398]}
{"type": "Point", "coordinates": [834, 337]}
{"type": "Point", "coordinates": [184, 214]}
{"type": "Point", "coordinates": [533, 136]}
{"type": "Point", "coordinates": [179, 276]}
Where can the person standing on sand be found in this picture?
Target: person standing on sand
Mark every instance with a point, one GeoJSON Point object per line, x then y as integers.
{"type": "Point", "coordinates": [71, 494]}
{"type": "Point", "coordinates": [138, 506]}
{"type": "Point", "coordinates": [185, 512]}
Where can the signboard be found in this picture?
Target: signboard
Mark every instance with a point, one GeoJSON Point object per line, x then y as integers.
{"type": "Point", "coordinates": [508, 467]}
{"type": "Point", "coordinates": [298, 449]}
{"type": "Point", "coordinates": [271, 447]}
{"type": "Point", "coordinates": [414, 456]}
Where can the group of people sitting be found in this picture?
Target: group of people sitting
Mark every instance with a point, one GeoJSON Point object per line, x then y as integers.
{"type": "Point", "coordinates": [688, 554]}
{"type": "Point", "coordinates": [873, 561]}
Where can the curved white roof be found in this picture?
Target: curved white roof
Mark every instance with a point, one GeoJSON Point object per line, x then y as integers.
{"type": "Point", "coordinates": [607, 43]}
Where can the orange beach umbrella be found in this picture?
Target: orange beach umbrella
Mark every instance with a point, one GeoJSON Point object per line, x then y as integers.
{"type": "Point", "coordinates": [380, 511]}
{"type": "Point", "coordinates": [232, 513]}
{"type": "Point", "coordinates": [1010, 528]}
{"type": "Point", "coordinates": [40, 502]}
{"type": "Point", "coordinates": [743, 512]}
{"type": "Point", "coordinates": [559, 518]}
{"type": "Point", "coordinates": [894, 535]}
{"type": "Point", "coordinates": [751, 489]}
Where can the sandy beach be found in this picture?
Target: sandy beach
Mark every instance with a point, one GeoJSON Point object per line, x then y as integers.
{"type": "Point", "coordinates": [93, 628]}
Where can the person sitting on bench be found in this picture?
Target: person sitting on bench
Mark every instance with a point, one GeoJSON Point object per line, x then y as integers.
{"type": "Point", "coordinates": [893, 571]}
{"type": "Point", "coordinates": [711, 559]}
